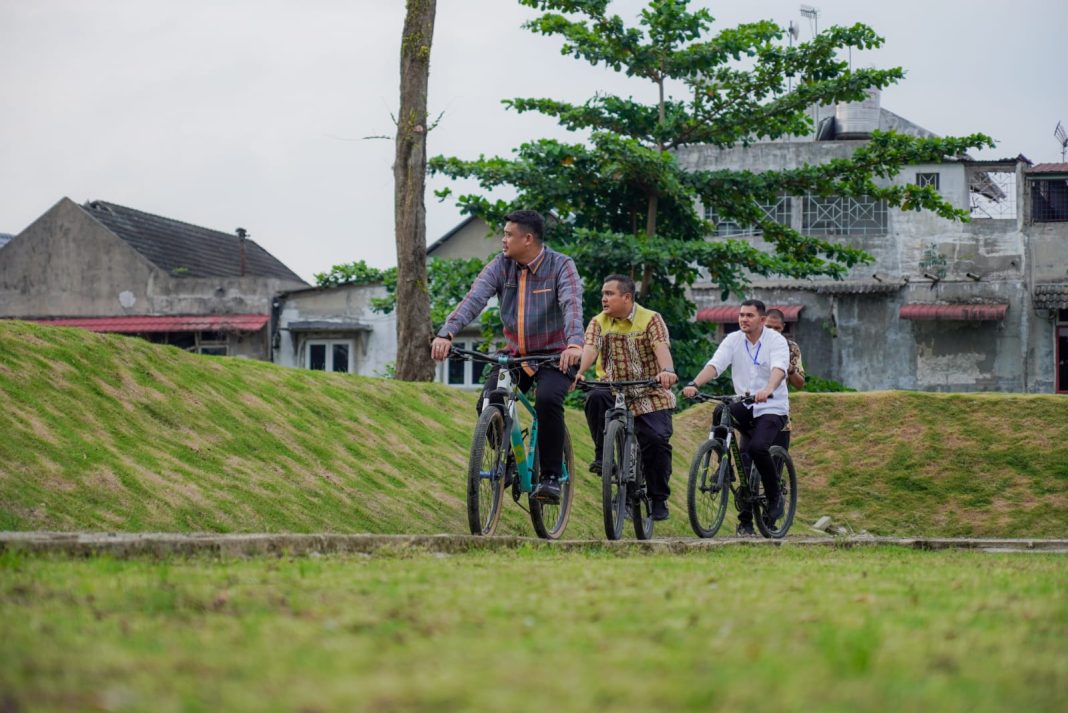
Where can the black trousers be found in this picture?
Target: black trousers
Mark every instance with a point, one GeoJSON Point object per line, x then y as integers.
{"type": "Point", "coordinates": [549, 405]}
{"type": "Point", "coordinates": [758, 436]}
{"type": "Point", "coordinates": [654, 438]}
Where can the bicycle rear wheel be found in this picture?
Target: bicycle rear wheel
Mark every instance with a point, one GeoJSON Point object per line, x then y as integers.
{"type": "Point", "coordinates": [708, 489]}
{"type": "Point", "coordinates": [641, 509]}
{"type": "Point", "coordinates": [550, 519]}
{"type": "Point", "coordinates": [784, 470]}
{"type": "Point", "coordinates": [613, 483]}
{"type": "Point", "coordinates": [486, 472]}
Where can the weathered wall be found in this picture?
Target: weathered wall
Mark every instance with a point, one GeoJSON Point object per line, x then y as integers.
{"type": "Point", "coordinates": [475, 239]}
{"type": "Point", "coordinates": [375, 350]}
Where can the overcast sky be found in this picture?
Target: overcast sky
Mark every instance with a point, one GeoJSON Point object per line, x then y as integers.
{"type": "Point", "coordinates": [252, 113]}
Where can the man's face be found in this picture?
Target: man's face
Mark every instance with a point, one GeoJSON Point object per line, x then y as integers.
{"type": "Point", "coordinates": [515, 243]}
{"type": "Point", "coordinates": [749, 321]}
{"type": "Point", "coordinates": [614, 302]}
{"type": "Point", "coordinates": [774, 323]}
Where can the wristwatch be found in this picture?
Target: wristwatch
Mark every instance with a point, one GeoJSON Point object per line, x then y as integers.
{"type": "Point", "coordinates": [668, 370]}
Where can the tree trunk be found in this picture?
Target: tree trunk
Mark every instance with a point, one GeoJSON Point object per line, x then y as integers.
{"type": "Point", "coordinates": [409, 180]}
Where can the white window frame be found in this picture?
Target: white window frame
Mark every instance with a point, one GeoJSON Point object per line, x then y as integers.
{"type": "Point", "coordinates": [329, 343]}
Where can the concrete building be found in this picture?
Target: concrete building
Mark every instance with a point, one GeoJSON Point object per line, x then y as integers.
{"type": "Point", "coordinates": [946, 306]}
{"type": "Point", "coordinates": [109, 268]}
{"type": "Point", "coordinates": [334, 329]}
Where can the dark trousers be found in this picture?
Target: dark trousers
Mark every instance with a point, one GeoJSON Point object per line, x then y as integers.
{"type": "Point", "coordinates": [654, 438]}
{"type": "Point", "coordinates": [758, 436]}
{"type": "Point", "coordinates": [549, 405]}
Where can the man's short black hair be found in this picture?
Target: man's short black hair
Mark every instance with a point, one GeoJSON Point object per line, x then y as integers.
{"type": "Point", "coordinates": [760, 308]}
{"type": "Point", "coordinates": [626, 284]}
{"type": "Point", "coordinates": [777, 314]}
{"type": "Point", "coordinates": [529, 221]}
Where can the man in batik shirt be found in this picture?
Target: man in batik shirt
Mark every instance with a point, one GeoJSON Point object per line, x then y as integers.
{"type": "Point", "coordinates": [795, 373]}
{"type": "Point", "coordinates": [631, 343]}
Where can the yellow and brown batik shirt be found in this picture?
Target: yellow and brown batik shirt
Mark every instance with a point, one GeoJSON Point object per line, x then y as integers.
{"type": "Point", "coordinates": [625, 353]}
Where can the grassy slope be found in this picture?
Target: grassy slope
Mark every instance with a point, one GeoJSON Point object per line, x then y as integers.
{"type": "Point", "coordinates": [109, 433]}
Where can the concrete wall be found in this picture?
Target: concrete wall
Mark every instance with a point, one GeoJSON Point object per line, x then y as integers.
{"type": "Point", "coordinates": [375, 349]}
{"type": "Point", "coordinates": [858, 338]}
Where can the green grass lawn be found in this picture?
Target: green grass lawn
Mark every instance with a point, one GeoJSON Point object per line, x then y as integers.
{"type": "Point", "coordinates": [536, 629]}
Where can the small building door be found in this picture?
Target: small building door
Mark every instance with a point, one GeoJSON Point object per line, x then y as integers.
{"type": "Point", "coordinates": [1062, 358]}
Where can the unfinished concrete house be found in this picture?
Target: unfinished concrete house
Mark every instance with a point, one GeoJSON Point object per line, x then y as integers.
{"type": "Point", "coordinates": [946, 306]}
{"type": "Point", "coordinates": [109, 268]}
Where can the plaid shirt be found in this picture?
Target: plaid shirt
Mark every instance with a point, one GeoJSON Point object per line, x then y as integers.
{"type": "Point", "coordinates": [541, 303]}
{"type": "Point", "coordinates": [625, 353]}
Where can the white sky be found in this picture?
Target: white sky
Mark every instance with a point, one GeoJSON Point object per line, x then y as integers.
{"type": "Point", "coordinates": [251, 113]}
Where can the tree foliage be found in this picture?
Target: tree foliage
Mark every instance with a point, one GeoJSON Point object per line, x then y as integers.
{"type": "Point", "coordinates": [628, 206]}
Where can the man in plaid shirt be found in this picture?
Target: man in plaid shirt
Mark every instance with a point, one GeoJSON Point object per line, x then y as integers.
{"type": "Point", "coordinates": [540, 297]}
{"type": "Point", "coordinates": [631, 343]}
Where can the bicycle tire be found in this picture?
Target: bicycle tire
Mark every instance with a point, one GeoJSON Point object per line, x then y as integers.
{"type": "Point", "coordinates": [613, 485]}
{"type": "Point", "coordinates": [708, 489]}
{"type": "Point", "coordinates": [787, 474]}
{"type": "Point", "coordinates": [486, 472]}
{"type": "Point", "coordinates": [550, 519]}
{"type": "Point", "coordinates": [641, 508]}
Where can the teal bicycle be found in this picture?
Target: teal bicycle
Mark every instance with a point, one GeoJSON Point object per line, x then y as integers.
{"type": "Point", "coordinates": [504, 455]}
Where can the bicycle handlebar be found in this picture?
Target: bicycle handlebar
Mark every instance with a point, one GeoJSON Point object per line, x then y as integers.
{"type": "Point", "coordinates": [502, 359]}
{"type": "Point", "coordinates": [732, 399]}
{"type": "Point", "coordinates": [587, 385]}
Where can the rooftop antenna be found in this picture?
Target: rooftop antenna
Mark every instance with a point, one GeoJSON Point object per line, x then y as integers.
{"type": "Point", "coordinates": [1062, 138]}
{"type": "Point", "coordinates": [813, 15]}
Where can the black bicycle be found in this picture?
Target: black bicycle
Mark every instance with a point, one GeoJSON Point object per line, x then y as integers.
{"type": "Point", "coordinates": [505, 455]}
{"type": "Point", "coordinates": [714, 475]}
{"type": "Point", "coordinates": [623, 491]}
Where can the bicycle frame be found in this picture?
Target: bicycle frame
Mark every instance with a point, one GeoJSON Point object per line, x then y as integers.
{"type": "Point", "coordinates": [524, 455]}
{"type": "Point", "coordinates": [724, 432]}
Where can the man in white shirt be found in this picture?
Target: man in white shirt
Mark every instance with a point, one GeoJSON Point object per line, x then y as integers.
{"type": "Point", "coordinates": [758, 359]}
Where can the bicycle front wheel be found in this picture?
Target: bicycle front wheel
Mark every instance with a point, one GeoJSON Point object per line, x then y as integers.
{"type": "Point", "coordinates": [784, 471]}
{"type": "Point", "coordinates": [550, 519]}
{"type": "Point", "coordinates": [613, 480]}
{"type": "Point", "coordinates": [486, 472]}
{"type": "Point", "coordinates": [708, 489]}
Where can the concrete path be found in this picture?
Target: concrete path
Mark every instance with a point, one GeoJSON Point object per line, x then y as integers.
{"type": "Point", "coordinates": [162, 544]}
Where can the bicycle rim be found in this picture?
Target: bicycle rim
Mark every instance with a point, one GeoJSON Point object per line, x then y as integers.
{"type": "Point", "coordinates": [613, 485]}
{"type": "Point", "coordinates": [485, 472]}
{"type": "Point", "coordinates": [707, 489]}
{"type": "Point", "coordinates": [550, 519]}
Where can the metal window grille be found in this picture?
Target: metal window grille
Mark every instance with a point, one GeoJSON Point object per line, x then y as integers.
{"type": "Point", "coordinates": [863, 215]}
{"type": "Point", "coordinates": [927, 179]}
{"type": "Point", "coordinates": [777, 211]}
{"type": "Point", "coordinates": [1049, 200]}
{"type": "Point", "coordinates": [993, 193]}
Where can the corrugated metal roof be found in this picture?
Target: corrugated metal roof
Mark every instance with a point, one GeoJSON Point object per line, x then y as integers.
{"type": "Point", "coordinates": [1049, 168]}
{"type": "Point", "coordinates": [726, 314]}
{"type": "Point", "coordinates": [186, 250]}
{"type": "Point", "coordinates": [953, 312]}
{"type": "Point", "coordinates": [145, 324]}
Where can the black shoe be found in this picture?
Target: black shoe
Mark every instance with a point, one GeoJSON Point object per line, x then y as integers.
{"type": "Point", "coordinates": [745, 529]}
{"type": "Point", "coordinates": [776, 508]}
{"type": "Point", "coordinates": [660, 510]}
{"type": "Point", "coordinates": [548, 490]}
{"type": "Point", "coordinates": [595, 467]}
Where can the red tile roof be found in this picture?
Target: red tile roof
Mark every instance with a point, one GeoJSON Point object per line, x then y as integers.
{"type": "Point", "coordinates": [726, 314]}
{"type": "Point", "coordinates": [1049, 168]}
{"type": "Point", "coordinates": [185, 323]}
{"type": "Point", "coordinates": [959, 313]}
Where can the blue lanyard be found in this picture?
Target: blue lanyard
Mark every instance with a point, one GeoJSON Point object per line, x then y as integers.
{"type": "Point", "coordinates": [754, 357]}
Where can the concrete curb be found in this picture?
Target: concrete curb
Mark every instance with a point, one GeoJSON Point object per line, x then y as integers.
{"type": "Point", "coordinates": [84, 544]}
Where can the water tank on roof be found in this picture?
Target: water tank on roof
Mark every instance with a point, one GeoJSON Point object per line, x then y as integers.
{"type": "Point", "coordinates": [856, 120]}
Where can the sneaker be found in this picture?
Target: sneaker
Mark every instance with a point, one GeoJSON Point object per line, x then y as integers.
{"type": "Point", "coordinates": [595, 467]}
{"type": "Point", "coordinates": [660, 510]}
{"type": "Point", "coordinates": [745, 529]}
{"type": "Point", "coordinates": [776, 509]}
{"type": "Point", "coordinates": [548, 490]}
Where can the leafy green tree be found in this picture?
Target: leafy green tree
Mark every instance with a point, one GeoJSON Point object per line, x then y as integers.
{"type": "Point", "coordinates": [625, 203]}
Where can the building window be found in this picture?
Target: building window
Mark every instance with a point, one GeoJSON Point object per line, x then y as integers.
{"type": "Point", "coordinates": [1049, 200]}
{"type": "Point", "coordinates": [329, 355]}
{"type": "Point", "coordinates": [835, 215]}
{"type": "Point", "coordinates": [777, 211]}
{"type": "Point", "coordinates": [992, 193]}
{"type": "Point", "coordinates": [927, 179]}
{"type": "Point", "coordinates": [461, 372]}
{"type": "Point", "coordinates": [212, 343]}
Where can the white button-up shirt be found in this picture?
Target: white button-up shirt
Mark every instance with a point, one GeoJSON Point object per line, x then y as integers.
{"type": "Point", "coordinates": [751, 366]}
